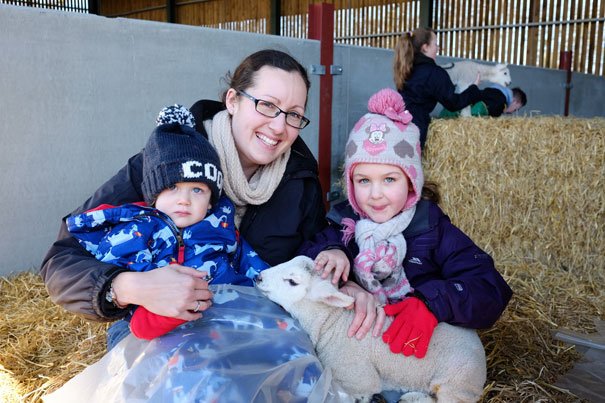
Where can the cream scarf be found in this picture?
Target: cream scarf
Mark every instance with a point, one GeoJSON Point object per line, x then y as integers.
{"type": "Point", "coordinates": [242, 192]}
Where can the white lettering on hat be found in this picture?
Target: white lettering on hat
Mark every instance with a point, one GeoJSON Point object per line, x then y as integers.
{"type": "Point", "coordinates": [193, 169]}
{"type": "Point", "coordinates": [214, 174]}
{"type": "Point", "coordinates": [210, 171]}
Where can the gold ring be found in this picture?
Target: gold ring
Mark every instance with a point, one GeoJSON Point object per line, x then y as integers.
{"type": "Point", "coordinates": [197, 306]}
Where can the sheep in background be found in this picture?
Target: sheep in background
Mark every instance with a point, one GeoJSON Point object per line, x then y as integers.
{"type": "Point", "coordinates": [464, 73]}
{"type": "Point", "coordinates": [454, 369]}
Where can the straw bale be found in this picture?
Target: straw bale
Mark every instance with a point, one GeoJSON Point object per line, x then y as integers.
{"type": "Point", "coordinates": [41, 345]}
{"type": "Point", "coordinates": [525, 188]}
{"type": "Point", "coordinates": [529, 191]}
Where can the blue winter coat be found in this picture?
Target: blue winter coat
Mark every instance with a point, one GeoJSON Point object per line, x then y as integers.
{"type": "Point", "coordinates": [429, 84]}
{"type": "Point", "coordinates": [457, 279]}
{"type": "Point", "coordinates": [143, 238]}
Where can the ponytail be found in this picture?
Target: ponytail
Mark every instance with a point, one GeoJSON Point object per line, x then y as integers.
{"type": "Point", "coordinates": [407, 46]}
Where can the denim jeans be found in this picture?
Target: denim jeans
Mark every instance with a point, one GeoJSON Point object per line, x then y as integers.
{"type": "Point", "coordinates": [117, 332]}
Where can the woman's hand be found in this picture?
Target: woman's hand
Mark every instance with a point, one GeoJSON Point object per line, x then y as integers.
{"type": "Point", "coordinates": [367, 312]}
{"type": "Point", "coordinates": [172, 291]}
{"type": "Point", "coordinates": [333, 260]}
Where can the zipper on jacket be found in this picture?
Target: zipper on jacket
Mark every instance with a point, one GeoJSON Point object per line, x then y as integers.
{"type": "Point", "coordinates": [180, 252]}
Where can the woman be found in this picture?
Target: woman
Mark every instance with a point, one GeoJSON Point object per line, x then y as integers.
{"type": "Point", "coordinates": [270, 175]}
{"type": "Point", "coordinates": [423, 83]}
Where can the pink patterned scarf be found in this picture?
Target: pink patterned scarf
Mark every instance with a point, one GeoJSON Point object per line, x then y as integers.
{"type": "Point", "coordinates": [382, 248]}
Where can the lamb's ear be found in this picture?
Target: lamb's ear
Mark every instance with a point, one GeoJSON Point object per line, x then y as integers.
{"type": "Point", "coordinates": [325, 292]}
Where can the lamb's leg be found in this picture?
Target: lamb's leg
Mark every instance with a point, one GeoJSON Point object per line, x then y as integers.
{"type": "Point", "coordinates": [466, 112]}
{"type": "Point", "coordinates": [455, 390]}
{"type": "Point", "coordinates": [463, 85]}
{"type": "Point", "coordinates": [416, 397]}
{"type": "Point", "coordinates": [363, 387]}
{"type": "Point", "coordinates": [452, 393]}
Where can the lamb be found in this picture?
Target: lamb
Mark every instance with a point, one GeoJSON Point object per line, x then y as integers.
{"type": "Point", "coordinates": [454, 369]}
{"type": "Point", "coordinates": [464, 73]}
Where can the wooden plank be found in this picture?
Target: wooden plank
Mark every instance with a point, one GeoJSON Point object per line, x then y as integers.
{"type": "Point", "coordinates": [504, 38]}
{"type": "Point", "coordinates": [599, 38]}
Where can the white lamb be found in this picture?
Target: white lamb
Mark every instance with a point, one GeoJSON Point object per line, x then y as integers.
{"type": "Point", "coordinates": [454, 369]}
{"type": "Point", "coordinates": [464, 73]}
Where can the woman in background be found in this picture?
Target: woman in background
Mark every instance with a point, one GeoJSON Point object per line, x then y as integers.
{"type": "Point", "coordinates": [423, 83]}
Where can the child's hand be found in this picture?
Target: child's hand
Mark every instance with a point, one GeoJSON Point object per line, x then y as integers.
{"type": "Point", "coordinates": [478, 79]}
{"type": "Point", "coordinates": [412, 328]}
{"type": "Point", "coordinates": [333, 260]}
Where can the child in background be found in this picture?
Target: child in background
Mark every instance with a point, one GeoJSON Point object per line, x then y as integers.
{"type": "Point", "coordinates": [495, 100]}
{"type": "Point", "coordinates": [191, 224]}
{"type": "Point", "coordinates": [406, 251]}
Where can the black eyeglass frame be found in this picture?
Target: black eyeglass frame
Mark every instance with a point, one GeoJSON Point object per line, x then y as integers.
{"type": "Point", "coordinates": [304, 121]}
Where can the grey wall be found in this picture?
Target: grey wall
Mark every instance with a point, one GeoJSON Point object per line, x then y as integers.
{"type": "Point", "coordinates": [79, 94]}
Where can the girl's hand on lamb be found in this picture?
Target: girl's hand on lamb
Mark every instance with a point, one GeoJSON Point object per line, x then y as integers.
{"type": "Point", "coordinates": [333, 260]}
{"type": "Point", "coordinates": [412, 328]}
{"type": "Point", "coordinates": [368, 312]}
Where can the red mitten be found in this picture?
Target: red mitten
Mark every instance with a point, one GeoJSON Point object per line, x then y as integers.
{"type": "Point", "coordinates": [412, 328]}
{"type": "Point", "coordinates": [148, 325]}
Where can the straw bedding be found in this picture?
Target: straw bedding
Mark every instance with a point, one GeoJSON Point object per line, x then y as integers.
{"type": "Point", "coordinates": [529, 191]}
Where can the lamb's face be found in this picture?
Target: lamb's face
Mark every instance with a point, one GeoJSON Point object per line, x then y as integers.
{"type": "Point", "coordinates": [503, 75]}
{"type": "Point", "coordinates": [288, 282]}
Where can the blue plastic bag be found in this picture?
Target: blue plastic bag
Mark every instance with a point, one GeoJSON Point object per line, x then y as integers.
{"type": "Point", "coordinates": [245, 349]}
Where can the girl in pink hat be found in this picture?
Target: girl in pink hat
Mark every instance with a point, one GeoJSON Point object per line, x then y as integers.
{"type": "Point", "coordinates": [403, 248]}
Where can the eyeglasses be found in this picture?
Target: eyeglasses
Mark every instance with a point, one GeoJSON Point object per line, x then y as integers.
{"type": "Point", "coordinates": [271, 110]}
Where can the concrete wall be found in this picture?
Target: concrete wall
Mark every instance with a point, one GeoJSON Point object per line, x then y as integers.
{"type": "Point", "coordinates": [79, 95]}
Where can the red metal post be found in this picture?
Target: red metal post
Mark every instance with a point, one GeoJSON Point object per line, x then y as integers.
{"type": "Point", "coordinates": [321, 27]}
{"type": "Point", "coordinates": [565, 64]}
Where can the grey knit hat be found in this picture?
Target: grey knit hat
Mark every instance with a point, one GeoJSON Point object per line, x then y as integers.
{"type": "Point", "coordinates": [176, 152]}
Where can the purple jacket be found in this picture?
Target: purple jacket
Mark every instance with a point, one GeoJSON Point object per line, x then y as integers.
{"type": "Point", "coordinates": [457, 280]}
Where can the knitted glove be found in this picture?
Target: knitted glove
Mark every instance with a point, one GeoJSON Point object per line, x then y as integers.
{"type": "Point", "coordinates": [412, 328]}
{"type": "Point", "coordinates": [148, 325]}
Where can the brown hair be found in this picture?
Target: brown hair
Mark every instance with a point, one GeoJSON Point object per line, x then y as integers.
{"type": "Point", "coordinates": [430, 191]}
{"type": "Point", "coordinates": [520, 96]}
{"type": "Point", "coordinates": [408, 44]}
{"type": "Point", "coordinates": [244, 75]}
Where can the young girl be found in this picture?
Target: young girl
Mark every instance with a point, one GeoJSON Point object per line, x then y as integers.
{"type": "Point", "coordinates": [407, 252]}
{"type": "Point", "coordinates": [423, 83]}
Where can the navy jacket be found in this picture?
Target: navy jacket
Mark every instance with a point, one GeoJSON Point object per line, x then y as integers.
{"type": "Point", "coordinates": [457, 280]}
{"type": "Point", "coordinates": [275, 230]}
{"type": "Point", "coordinates": [429, 84]}
{"type": "Point", "coordinates": [496, 99]}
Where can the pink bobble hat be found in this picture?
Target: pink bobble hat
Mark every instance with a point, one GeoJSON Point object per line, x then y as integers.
{"type": "Point", "coordinates": [385, 135]}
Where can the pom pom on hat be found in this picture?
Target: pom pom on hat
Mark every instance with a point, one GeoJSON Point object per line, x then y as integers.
{"type": "Point", "coordinates": [385, 135]}
{"type": "Point", "coordinates": [176, 114]}
{"type": "Point", "coordinates": [389, 103]}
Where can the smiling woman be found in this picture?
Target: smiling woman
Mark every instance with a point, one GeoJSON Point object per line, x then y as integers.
{"type": "Point", "coordinates": [268, 172]}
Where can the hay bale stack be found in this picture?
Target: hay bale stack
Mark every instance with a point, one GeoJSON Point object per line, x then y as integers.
{"type": "Point", "coordinates": [42, 346]}
{"type": "Point", "coordinates": [530, 192]}
{"type": "Point", "coordinates": [529, 189]}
